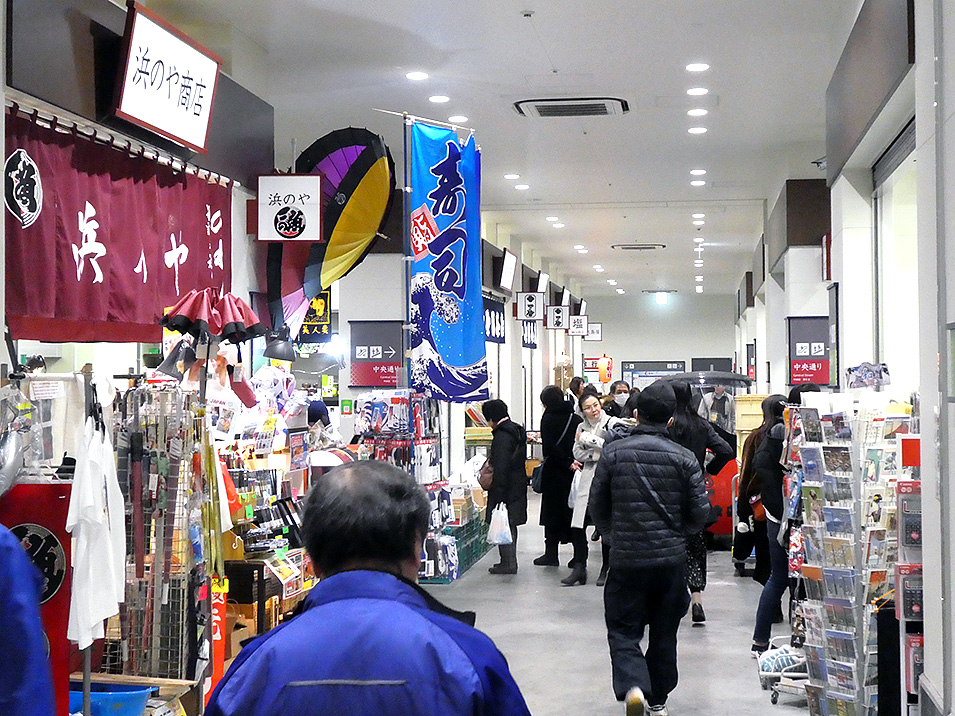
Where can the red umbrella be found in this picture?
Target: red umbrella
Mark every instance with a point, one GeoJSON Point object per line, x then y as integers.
{"type": "Point", "coordinates": [237, 322]}
{"type": "Point", "coordinates": [195, 314]}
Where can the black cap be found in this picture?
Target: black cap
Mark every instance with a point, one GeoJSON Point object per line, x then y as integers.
{"type": "Point", "coordinates": [656, 403]}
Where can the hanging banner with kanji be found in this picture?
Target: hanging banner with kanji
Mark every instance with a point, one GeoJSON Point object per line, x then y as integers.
{"type": "Point", "coordinates": [448, 357]}
{"type": "Point", "coordinates": [98, 242]}
{"type": "Point", "coordinates": [317, 326]}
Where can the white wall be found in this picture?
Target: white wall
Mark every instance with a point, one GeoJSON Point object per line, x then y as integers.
{"type": "Point", "coordinates": [689, 326]}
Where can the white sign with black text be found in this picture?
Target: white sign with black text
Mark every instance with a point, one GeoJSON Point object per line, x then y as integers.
{"type": "Point", "coordinates": [594, 332]}
{"type": "Point", "coordinates": [290, 208]}
{"type": "Point", "coordinates": [558, 318]}
{"type": "Point", "coordinates": [578, 326]}
{"type": "Point", "coordinates": [530, 306]}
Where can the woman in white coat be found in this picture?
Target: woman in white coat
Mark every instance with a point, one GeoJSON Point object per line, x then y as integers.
{"type": "Point", "coordinates": [587, 448]}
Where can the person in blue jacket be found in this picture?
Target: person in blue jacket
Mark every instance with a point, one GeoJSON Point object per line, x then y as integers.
{"type": "Point", "coordinates": [26, 685]}
{"type": "Point", "coordinates": [369, 640]}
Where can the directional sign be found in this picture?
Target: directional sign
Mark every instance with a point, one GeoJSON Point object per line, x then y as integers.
{"type": "Point", "coordinates": [530, 306]}
{"type": "Point", "coordinates": [594, 332]}
{"type": "Point", "coordinates": [376, 355]}
{"type": "Point", "coordinates": [578, 326]}
{"type": "Point", "coordinates": [558, 318]}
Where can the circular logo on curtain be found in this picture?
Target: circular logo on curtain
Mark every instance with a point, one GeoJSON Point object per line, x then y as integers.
{"type": "Point", "coordinates": [46, 552]}
{"type": "Point", "coordinates": [289, 222]}
{"type": "Point", "coordinates": [23, 191]}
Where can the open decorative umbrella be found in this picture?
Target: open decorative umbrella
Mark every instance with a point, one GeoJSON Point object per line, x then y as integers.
{"type": "Point", "coordinates": [357, 191]}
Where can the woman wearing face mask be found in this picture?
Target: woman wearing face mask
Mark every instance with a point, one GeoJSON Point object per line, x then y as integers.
{"type": "Point", "coordinates": [587, 448]}
{"type": "Point", "coordinates": [619, 393]}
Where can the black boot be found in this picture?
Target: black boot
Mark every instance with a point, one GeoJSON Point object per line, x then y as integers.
{"type": "Point", "coordinates": [604, 565]}
{"type": "Point", "coordinates": [578, 575]}
{"type": "Point", "coordinates": [549, 558]}
{"type": "Point", "coordinates": [602, 577]}
{"type": "Point", "coordinates": [508, 563]}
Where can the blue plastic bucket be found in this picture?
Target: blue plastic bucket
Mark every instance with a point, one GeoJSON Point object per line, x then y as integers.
{"type": "Point", "coordinates": [111, 699]}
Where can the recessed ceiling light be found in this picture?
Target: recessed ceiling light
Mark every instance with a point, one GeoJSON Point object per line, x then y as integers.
{"type": "Point", "coordinates": [621, 291]}
{"type": "Point", "coordinates": [699, 216]}
{"type": "Point", "coordinates": [558, 226]}
{"type": "Point", "coordinates": [578, 247]}
{"type": "Point", "coordinates": [697, 182]}
{"type": "Point", "coordinates": [512, 176]}
{"type": "Point", "coordinates": [697, 130]}
{"type": "Point", "coordinates": [698, 222]}
{"type": "Point", "coordinates": [522, 187]}
{"type": "Point", "coordinates": [611, 282]}
{"type": "Point", "coordinates": [439, 98]}
{"type": "Point", "coordinates": [697, 67]}
{"type": "Point", "coordinates": [417, 76]}
{"type": "Point", "coordinates": [699, 289]}
{"type": "Point", "coordinates": [697, 112]}
{"type": "Point", "coordinates": [581, 251]}
{"type": "Point", "coordinates": [699, 239]}
{"type": "Point", "coordinates": [699, 279]}
{"type": "Point", "coordinates": [662, 298]}
{"type": "Point", "coordinates": [698, 263]}
{"type": "Point", "coordinates": [697, 91]}
{"type": "Point", "coordinates": [596, 266]}
{"type": "Point", "coordinates": [457, 119]}
{"type": "Point", "coordinates": [698, 172]}
{"type": "Point", "coordinates": [699, 250]}
{"type": "Point", "coordinates": [600, 270]}
{"type": "Point", "coordinates": [551, 218]}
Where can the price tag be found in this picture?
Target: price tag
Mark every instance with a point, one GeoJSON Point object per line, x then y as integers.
{"type": "Point", "coordinates": [47, 389]}
{"type": "Point", "coordinates": [248, 512]}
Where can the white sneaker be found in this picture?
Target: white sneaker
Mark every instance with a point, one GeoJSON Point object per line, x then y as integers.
{"type": "Point", "coordinates": [635, 702]}
{"type": "Point", "coordinates": [657, 711]}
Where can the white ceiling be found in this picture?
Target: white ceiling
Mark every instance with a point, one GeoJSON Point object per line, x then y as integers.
{"type": "Point", "coordinates": [325, 65]}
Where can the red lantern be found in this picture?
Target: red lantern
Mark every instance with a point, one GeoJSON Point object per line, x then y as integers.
{"type": "Point", "coordinates": [605, 367]}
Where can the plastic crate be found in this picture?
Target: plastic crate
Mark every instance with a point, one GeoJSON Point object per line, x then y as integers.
{"type": "Point", "coordinates": [749, 412]}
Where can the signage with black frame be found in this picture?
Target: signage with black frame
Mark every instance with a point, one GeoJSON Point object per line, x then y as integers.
{"type": "Point", "coordinates": [833, 292]}
{"type": "Point", "coordinates": [808, 339]}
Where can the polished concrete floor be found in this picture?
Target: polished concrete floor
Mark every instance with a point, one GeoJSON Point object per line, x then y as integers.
{"type": "Point", "coordinates": [555, 640]}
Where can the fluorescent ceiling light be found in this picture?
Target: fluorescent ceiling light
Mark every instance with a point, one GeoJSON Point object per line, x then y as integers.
{"type": "Point", "coordinates": [697, 130]}
{"type": "Point", "coordinates": [457, 119]}
{"type": "Point", "coordinates": [512, 176]}
{"type": "Point", "coordinates": [697, 182]}
{"type": "Point", "coordinates": [699, 216]}
{"type": "Point", "coordinates": [698, 222]}
{"type": "Point", "coordinates": [621, 291]}
{"type": "Point", "coordinates": [662, 298]}
{"type": "Point", "coordinates": [699, 278]}
{"type": "Point", "coordinates": [699, 289]}
{"type": "Point", "coordinates": [597, 266]}
{"type": "Point", "coordinates": [439, 98]}
{"type": "Point", "coordinates": [522, 187]}
{"type": "Point", "coordinates": [578, 247]}
{"type": "Point", "coordinates": [697, 91]}
{"type": "Point", "coordinates": [417, 76]}
{"type": "Point", "coordinates": [697, 112]}
{"type": "Point", "coordinates": [600, 270]}
{"type": "Point", "coordinates": [581, 251]}
{"type": "Point", "coordinates": [699, 239]}
{"type": "Point", "coordinates": [698, 172]}
{"type": "Point", "coordinates": [697, 67]}
{"type": "Point", "coordinates": [698, 263]}
{"type": "Point", "coordinates": [551, 218]}
{"type": "Point", "coordinates": [611, 282]}
{"type": "Point", "coordinates": [558, 225]}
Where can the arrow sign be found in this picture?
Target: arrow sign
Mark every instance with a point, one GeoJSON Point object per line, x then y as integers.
{"type": "Point", "coordinates": [390, 352]}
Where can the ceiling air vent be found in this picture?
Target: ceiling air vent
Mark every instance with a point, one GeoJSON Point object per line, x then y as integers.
{"type": "Point", "coordinates": [572, 107]}
{"type": "Point", "coordinates": [638, 247]}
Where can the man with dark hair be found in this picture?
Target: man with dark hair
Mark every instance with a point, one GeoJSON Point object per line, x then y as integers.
{"type": "Point", "coordinates": [369, 640]}
{"type": "Point", "coordinates": [619, 394]}
{"type": "Point", "coordinates": [647, 495]}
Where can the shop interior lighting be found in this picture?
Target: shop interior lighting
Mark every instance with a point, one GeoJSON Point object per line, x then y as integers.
{"type": "Point", "coordinates": [699, 289]}
{"type": "Point", "coordinates": [558, 225]}
{"type": "Point", "coordinates": [439, 98]}
{"type": "Point", "coordinates": [698, 172]}
{"type": "Point", "coordinates": [551, 218]}
{"type": "Point", "coordinates": [457, 119]}
{"type": "Point", "coordinates": [279, 346]}
{"type": "Point", "coordinates": [512, 176]}
{"type": "Point", "coordinates": [581, 251]}
{"type": "Point", "coordinates": [699, 279]}
{"type": "Point", "coordinates": [697, 112]}
{"type": "Point", "coordinates": [600, 270]}
{"type": "Point", "coordinates": [699, 239]}
{"type": "Point", "coordinates": [698, 263]}
{"type": "Point", "coordinates": [611, 282]}
{"type": "Point", "coordinates": [697, 91]}
{"type": "Point", "coordinates": [698, 222]}
{"type": "Point", "coordinates": [698, 216]}
{"type": "Point", "coordinates": [697, 67]}
{"type": "Point", "coordinates": [522, 187]}
{"type": "Point", "coordinates": [697, 182]}
{"type": "Point", "coordinates": [578, 247]}
{"type": "Point", "coordinates": [417, 76]}
{"type": "Point", "coordinates": [621, 291]}
{"type": "Point", "coordinates": [662, 297]}
{"type": "Point", "coordinates": [697, 130]}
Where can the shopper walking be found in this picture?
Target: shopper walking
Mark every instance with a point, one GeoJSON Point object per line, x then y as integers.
{"type": "Point", "coordinates": [769, 473]}
{"type": "Point", "coordinates": [698, 436]}
{"type": "Point", "coordinates": [648, 495]}
{"type": "Point", "coordinates": [588, 445]}
{"type": "Point", "coordinates": [369, 640]}
{"type": "Point", "coordinates": [558, 426]}
{"type": "Point", "coordinates": [619, 392]}
{"type": "Point", "coordinates": [507, 457]}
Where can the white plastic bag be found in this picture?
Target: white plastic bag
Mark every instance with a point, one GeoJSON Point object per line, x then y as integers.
{"type": "Point", "coordinates": [499, 531]}
{"type": "Point", "coordinates": [574, 486]}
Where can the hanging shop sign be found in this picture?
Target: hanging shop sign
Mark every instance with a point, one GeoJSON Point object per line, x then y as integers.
{"type": "Point", "coordinates": [529, 333]}
{"type": "Point", "coordinates": [493, 321]}
{"type": "Point", "coordinates": [578, 326]}
{"type": "Point", "coordinates": [317, 326]}
{"type": "Point", "coordinates": [595, 332]}
{"type": "Point", "coordinates": [448, 355]}
{"type": "Point", "coordinates": [530, 306]}
{"type": "Point", "coordinates": [290, 208]}
{"type": "Point", "coordinates": [640, 373]}
{"type": "Point", "coordinates": [558, 318]}
{"type": "Point", "coordinates": [168, 81]}
{"type": "Point", "coordinates": [808, 349]}
{"type": "Point", "coordinates": [98, 242]}
{"type": "Point", "coordinates": [376, 353]}
{"type": "Point", "coordinates": [751, 360]}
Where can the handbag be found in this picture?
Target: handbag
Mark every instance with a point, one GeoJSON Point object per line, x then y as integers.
{"type": "Point", "coordinates": [574, 486]}
{"type": "Point", "coordinates": [537, 476]}
{"type": "Point", "coordinates": [756, 505]}
{"type": "Point", "coordinates": [499, 531]}
{"type": "Point", "coordinates": [486, 476]}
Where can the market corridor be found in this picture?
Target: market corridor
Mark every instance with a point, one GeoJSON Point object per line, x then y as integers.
{"type": "Point", "coordinates": [556, 643]}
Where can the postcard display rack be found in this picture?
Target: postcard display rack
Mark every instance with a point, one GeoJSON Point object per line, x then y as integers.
{"type": "Point", "coordinates": [403, 428]}
{"type": "Point", "coordinates": [859, 525]}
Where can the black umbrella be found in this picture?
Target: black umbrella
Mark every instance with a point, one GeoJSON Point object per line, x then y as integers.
{"type": "Point", "coordinates": [712, 377]}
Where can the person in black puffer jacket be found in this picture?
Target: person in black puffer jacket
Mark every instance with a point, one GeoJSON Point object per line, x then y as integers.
{"type": "Point", "coordinates": [509, 485]}
{"type": "Point", "coordinates": [647, 495]}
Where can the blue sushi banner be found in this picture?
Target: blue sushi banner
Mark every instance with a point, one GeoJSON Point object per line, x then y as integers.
{"type": "Point", "coordinates": [448, 355]}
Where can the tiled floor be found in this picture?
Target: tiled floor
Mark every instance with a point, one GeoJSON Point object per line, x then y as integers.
{"type": "Point", "coordinates": [556, 644]}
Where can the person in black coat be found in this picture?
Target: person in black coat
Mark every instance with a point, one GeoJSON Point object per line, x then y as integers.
{"type": "Point", "coordinates": [615, 407]}
{"type": "Point", "coordinates": [697, 435]}
{"type": "Point", "coordinates": [558, 428]}
{"type": "Point", "coordinates": [509, 485]}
